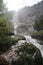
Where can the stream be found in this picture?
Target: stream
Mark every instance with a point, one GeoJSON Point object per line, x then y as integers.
{"type": "Point", "coordinates": [11, 54]}
{"type": "Point", "coordinates": [30, 40]}
{"type": "Point", "coordinates": [33, 41]}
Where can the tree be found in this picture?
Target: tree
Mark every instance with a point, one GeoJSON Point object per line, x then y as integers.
{"type": "Point", "coordinates": [5, 27]}
{"type": "Point", "coordinates": [39, 23]}
{"type": "Point", "coordinates": [38, 26]}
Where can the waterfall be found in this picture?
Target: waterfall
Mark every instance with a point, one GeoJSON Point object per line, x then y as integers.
{"type": "Point", "coordinates": [29, 39]}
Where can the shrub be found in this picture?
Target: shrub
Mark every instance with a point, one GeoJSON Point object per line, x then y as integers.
{"type": "Point", "coordinates": [6, 42]}
{"type": "Point", "coordinates": [38, 35]}
{"type": "Point", "coordinates": [38, 25]}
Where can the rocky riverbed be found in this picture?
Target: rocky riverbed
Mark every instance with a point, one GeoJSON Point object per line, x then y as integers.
{"type": "Point", "coordinates": [24, 49]}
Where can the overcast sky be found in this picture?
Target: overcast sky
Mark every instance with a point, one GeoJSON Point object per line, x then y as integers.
{"type": "Point", "coordinates": [17, 4]}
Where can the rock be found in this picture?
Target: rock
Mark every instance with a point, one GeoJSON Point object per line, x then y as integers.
{"type": "Point", "coordinates": [7, 57]}
{"type": "Point", "coordinates": [27, 16]}
{"type": "Point", "coordinates": [29, 55]}
{"type": "Point", "coordinates": [26, 54]}
{"type": "Point", "coordinates": [3, 60]}
{"type": "Point", "coordinates": [22, 29]}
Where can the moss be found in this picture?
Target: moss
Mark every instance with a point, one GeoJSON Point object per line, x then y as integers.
{"type": "Point", "coordinates": [19, 37]}
{"type": "Point", "coordinates": [6, 42]}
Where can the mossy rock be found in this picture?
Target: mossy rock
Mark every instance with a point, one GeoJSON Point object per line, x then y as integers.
{"type": "Point", "coordinates": [29, 55]}
{"type": "Point", "coordinates": [25, 55]}
{"type": "Point", "coordinates": [6, 43]}
{"type": "Point", "coordinates": [19, 37]}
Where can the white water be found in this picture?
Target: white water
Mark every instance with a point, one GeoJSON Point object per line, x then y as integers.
{"type": "Point", "coordinates": [29, 39]}
{"type": "Point", "coordinates": [11, 54]}
{"type": "Point", "coordinates": [34, 42]}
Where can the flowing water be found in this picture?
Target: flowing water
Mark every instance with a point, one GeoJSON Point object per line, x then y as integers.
{"type": "Point", "coordinates": [11, 54]}
{"type": "Point", "coordinates": [30, 40]}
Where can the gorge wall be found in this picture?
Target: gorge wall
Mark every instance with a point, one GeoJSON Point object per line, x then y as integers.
{"type": "Point", "coordinates": [26, 16]}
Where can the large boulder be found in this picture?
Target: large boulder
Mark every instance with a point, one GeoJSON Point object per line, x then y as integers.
{"type": "Point", "coordinates": [7, 42]}
{"type": "Point", "coordinates": [29, 55]}
{"type": "Point", "coordinates": [25, 54]}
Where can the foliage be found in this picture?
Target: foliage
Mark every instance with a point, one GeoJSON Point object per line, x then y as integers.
{"type": "Point", "coordinates": [6, 42]}
{"type": "Point", "coordinates": [38, 26]}
{"type": "Point", "coordinates": [6, 17]}
{"type": "Point", "coordinates": [41, 42]}
{"type": "Point", "coordinates": [38, 35]}
{"type": "Point", "coordinates": [5, 28]}
{"type": "Point", "coordinates": [39, 23]}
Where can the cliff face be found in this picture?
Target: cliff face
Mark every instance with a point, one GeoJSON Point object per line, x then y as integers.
{"type": "Point", "coordinates": [27, 15]}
